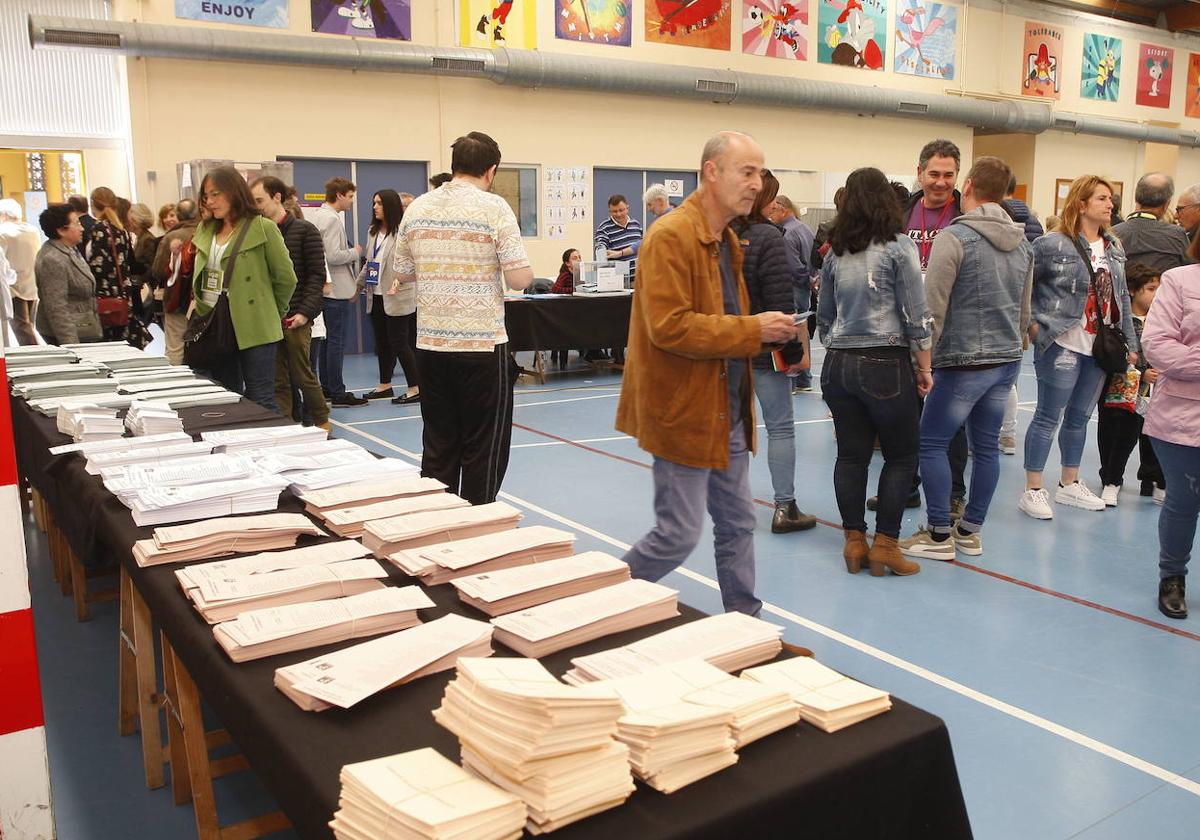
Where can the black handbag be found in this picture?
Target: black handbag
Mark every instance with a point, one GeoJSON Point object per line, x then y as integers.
{"type": "Point", "coordinates": [210, 338]}
{"type": "Point", "coordinates": [1110, 350]}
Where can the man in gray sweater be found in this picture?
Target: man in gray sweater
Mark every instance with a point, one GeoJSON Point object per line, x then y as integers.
{"type": "Point", "coordinates": [1146, 238]}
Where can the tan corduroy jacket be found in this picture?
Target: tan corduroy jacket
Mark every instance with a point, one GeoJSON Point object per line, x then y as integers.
{"type": "Point", "coordinates": [674, 397]}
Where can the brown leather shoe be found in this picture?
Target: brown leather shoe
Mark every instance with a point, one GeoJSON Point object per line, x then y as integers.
{"type": "Point", "coordinates": [885, 554]}
{"type": "Point", "coordinates": [855, 551]}
{"type": "Point", "coordinates": [327, 426]}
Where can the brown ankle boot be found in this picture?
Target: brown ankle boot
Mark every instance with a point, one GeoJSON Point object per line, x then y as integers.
{"type": "Point", "coordinates": [855, 551]}
{"type": "Point", "coordinates": [885, 554]}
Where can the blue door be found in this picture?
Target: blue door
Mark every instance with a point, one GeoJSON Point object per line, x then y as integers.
{"type": "Point", "coordinates": [657, 176]}
{"type": "Point", "coordinates": [609, 182]}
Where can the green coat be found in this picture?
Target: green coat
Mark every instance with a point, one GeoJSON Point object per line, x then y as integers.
{"type": "Point", "coordinates": [262, 286]}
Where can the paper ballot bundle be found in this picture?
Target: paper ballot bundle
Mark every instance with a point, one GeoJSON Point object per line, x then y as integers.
{"type": "Point", "coordinates": [367, 492]}
{"type": "Point", "coordinates": [321, 554]}
{"type": "Point", "coordinates": [396, 533]}
{"type": "Point", "coordinates": [826, 699]}
{"type": "Point", "coordinates": [441, 562]}
{"type": "Point", "coordinates": [509, 590]}
{"type": "Point", "coordinates": [217, 537]}
{"type": "Point", "coordinates": [351, 521]}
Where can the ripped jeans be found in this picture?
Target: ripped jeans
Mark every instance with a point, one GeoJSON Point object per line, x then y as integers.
{"type": "Point", "coordinates": [1068, 387]}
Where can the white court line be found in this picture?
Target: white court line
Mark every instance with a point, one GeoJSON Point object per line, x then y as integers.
{"type": "Point", "coordinates": [1016, 712]}
{"type": "Point", "coordinates": [565, 442]}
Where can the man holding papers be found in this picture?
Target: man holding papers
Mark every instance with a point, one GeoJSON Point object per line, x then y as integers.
{"type": "Point", "coordinates": [686, 394]}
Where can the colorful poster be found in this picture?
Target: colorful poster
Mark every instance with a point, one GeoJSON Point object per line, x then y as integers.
{"type": "Point", "coordinates": [594, 21]}
{"type": "Point", "coordinates": [273, 13]}
{"type": "Point", "coordinates": [926, 37]}
{"type": "Point", "coordinates": [689, 23]}
{"type": "Point", "coordinates": [776, 28]}
{"type": "Point", "coordinates": [1101, 68]}
{"type": "Point", "coordinates": [1191, 104]}
{"type": "Point", "coordinates": [363, 18]}
{"type": "Point", "coordinates": [1156, 66]}
{"type": "Point", "coordinates": [852, 33]}
{"type": "Point", "coordinates": [1041, 64]}
{"type": "Point", "coordinates": [498, 23]}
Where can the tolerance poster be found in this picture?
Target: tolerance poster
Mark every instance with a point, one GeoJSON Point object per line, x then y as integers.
{"type": "Point", "coordinates": [926, 35]}
{"type": "Point", "coordinates": [852, 33]}
{"type": "Point", "coordinates": [689, 23]}
{"type": "Point", "coordinates": [363, 18]}
{"type": "Point", "coordinates": [1101, 68]}
{"type": "Point", "coordinates": [1041, 63]}
{"type": "Point", "coordinates": [497, 23]}
{"type": "Point", "coordinates": [594, 21]}
{"type": "Point", "coordinates": [272, 13]}
{"type": "Point", "coordinates": [775, 28]}
{"type": "Point", "coordinates": [1156, 66]}
{"type": "Point", "coordinates": [1191, 104]}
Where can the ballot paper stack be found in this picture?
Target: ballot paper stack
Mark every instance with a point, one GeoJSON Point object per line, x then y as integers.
{"type": "Point", "coordinates": [274, 630]}
{"type": "Point", "coordinates": [319, 448]}
{"type": "Point", "coordinates": [730, 641]}
{"type": "Point", "coordinates": [376, 468]}
{"type": "Point", "coordinates": [398, 533]}
{"type": "Point", "coordinates": [548, 743]}
{"type": "Point", "coordinates": [259, 437]}
{"type": "Point", "coordinates": [159, 505]}
{"type": "Point", "coordinates": [92, 447]}
{"type": "Point", "coordinates": [442, 562]}
{"type": "Point", "coordinates": [318, 502]}
{"type": "Point", "coordinates": [65, 385]}
{"type": "Point", "coordinates": [351, 675]}
{"type": "Point", "coordinates": [90, 423]}
{"type": "Point", "coordinates": [47, 372]}
{"type": "Point", "coordinates": [218, 537]}
{"type": "Point", "coordinates": [316, 458]}
{"type": "Point", "coordinates": [124, 481]}
{"type": "Point", "coordinates": [321, 554]}
{"type": "Point", "coordinates": [145, 418]}
{"type": "Point", "coordinates": [117, 355]}
{"type": "Point", "coordinates": [542, 630]}
{"type": "Point", "coordinates": [421, 794]}
{"type": "Point", "coordinates": [828, 700]}
{"type": "Point", "coordinates": [131, 452]}
{"type": "Point", "coordinates": [36, 355]}
{"type": "Point", "coordinates": [509, 590]}
{"type": "Point", "coordinates": [351, 521]}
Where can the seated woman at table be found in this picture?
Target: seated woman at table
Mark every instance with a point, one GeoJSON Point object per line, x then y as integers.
{"type": "Point", "coordinates": [565, 284]}
{"type": "Point", "coordinates": [65, 285]}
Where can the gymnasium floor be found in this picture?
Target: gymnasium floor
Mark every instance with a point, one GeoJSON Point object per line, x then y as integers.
{"type": "Point", "coordinates": [1071, 702]}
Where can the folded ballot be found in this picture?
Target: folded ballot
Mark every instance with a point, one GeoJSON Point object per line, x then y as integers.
{"type": "Point", "coordinates": [120, 457]}
{"type": "Point", "coordinates": [321, 554]}
{"type": "Point", "coordinates": [441, 562]}
{"type": "Point", "coordinates": [233, 440]}
{"type": "Point", "coordinates": [217, 537]}
{"type": "Point", "coordinates": [376, 468]}
{"type": "Point", "coordinates": [353, 674]}
{"type": "Point", "coordinates": [560, 624]}
{"type": "Point", "coordinates": [124, 481]}
{"type": "Point", "coordinates": [158, 505]}
{"type": "Point", "coordinates": [826, 699]}
{"type": "Point", "coordinates": [351, 521]}
{"type": "Point", "coordinates": [367, 492]}
{"type": "Point", "coordinates": [92, 447]}
{"type": "Point", "coordinates": [396, 533]}
{"type": "Point", "coordinates": [419, 795]}
{"type": "Point", "coordinates": [274, 630]}
{"type": "Point", "coordinates": [290, 463]}
{"type": "Point", "coordinates": [309, 447]}
{"type": "Point", "coordinates": [508, 590]}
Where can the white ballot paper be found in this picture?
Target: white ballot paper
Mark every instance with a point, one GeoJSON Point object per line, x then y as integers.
{"type": "Point", "coordinates": [369, 491]}
{"type": "Point", "coordinates": [258, 626]}
{"type": "Point", "coordinates": [98, 460]}
{"type": "Point", "coordinates": [826, 699]}
{"type": "Point", "coordinates": [271, 561]}
{"type": "Point", "coordinates": [277, 463]}
{"type": "Point", "coordinates": [88, 449]}
{"type": "Point", "coordinates": [506, 590]}
{"type": "Point", "coordinates": [487, 552]}
{"type": "Point", "coordinates": [334, 476]}
{"type": "Point", "coordinates": [350, 521]}
{"type": "Point", "coordinates": [242, 587]}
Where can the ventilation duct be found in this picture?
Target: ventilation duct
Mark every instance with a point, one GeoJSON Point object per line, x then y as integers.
{"type": "Point", "coordinates": [533, 69]}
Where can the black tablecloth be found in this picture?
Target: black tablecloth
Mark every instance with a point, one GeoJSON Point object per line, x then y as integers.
{"type": "Point", "coordinates": [568, 322]}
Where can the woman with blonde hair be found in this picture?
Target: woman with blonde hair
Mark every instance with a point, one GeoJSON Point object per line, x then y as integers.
{"type": "Point", "coordinates": [167, 220]}
{"type": "Point", "coordinates": [109, 254]}
{"type": "Point", "coordinates": [1078, 288]}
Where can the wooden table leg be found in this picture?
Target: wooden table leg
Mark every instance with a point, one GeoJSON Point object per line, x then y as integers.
{"type": "Point", "coordinates": [181, 786]}
{"type": "Point", "coordinates": [127, 695]}
{"type": "Point", "coordinates": [78, 581]}
{"type": "Point", "coordinates": [39, 511]}
{"type": "Point", "coordinates": [139, 641]}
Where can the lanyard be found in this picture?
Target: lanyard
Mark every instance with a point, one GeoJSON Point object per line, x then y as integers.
{"type": "Point", "coordinates": [926, 244]}
{"type": "Point", "coordinates": [379, 240]}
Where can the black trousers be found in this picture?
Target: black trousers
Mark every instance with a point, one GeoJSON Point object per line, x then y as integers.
{"type": "Point", "coordinates": [466, 409]}
{"type": "Point", "coordinates": [395, 340]}
{"type": "Point", "coordinates": [1118, 432]}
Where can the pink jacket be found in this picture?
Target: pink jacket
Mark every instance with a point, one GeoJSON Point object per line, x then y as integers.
{"type": "Point", "coordinates": [1171, 342]}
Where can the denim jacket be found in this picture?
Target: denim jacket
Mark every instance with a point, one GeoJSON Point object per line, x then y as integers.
{"type": "Point", "coordinates": [1060, 287]}
{"type": "Point", "coordinates": [874, 298]}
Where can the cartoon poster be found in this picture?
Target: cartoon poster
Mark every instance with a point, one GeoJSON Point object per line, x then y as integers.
{"type": "Point", "coordinates": [497, 23]}
{"type": "Point", "coordinates": [1191, 104]}
{"type": "Point", "coordinates": [689, 23]}
{"type": "Point", "coordinates": [926, 35]}
{"type": "Point", "coordinates": [1156, 66]}
{"type": "Point", "coordinates": [1041, 62]}
{"type": "Point", "coordinates": [272, 13]}
{"type": "Point", "coordinates": [363, 18]}
{"type": "Point", "coordinates": [1101, 68]}
{"type": "Point", "coordinates": [852, 33]}
{"type": "Point", "coordinates": [594, 21]}
{"type": "Point", "coordinates": [777, 28]}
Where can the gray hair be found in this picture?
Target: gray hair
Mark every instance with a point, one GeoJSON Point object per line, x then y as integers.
{"type": "Point", "coordinates": [655, 191]}
{"type": "Point", "coordinates": [1191, 195]}
{"type": "Point", "coordinates": [185, 210]}
{"type": "Point", "coordinates": [939, 148]}
{"type": "Point", "coordinates": [1154, 189]}
{"type": "Point", "coordinates": [142, 216]}
{"type": "Point", "coordinates": [786, 203]}
{"type": "Point", "coordinates": [718, 145]}
{"type": "Point", "coordinates": [10, 207]}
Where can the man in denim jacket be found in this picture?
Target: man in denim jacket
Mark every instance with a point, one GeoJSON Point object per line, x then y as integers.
{"type": "Point", "coordinates": [978, 285]}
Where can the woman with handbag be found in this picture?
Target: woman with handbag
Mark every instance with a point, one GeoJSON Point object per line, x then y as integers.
{"type": "Point", "coordinates": [243, 281]}
{"type": "Point", "coordinates": [1082, 331]}
{"type": "Point", "coordinates": [108, 250]}
{"type": "Point", "coordinates": [66, 288]}
{"type": "Point", "coordinates": [393, 316]}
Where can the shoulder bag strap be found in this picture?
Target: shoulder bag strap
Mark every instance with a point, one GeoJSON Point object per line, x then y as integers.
{"type": "Point", "coordinates": [1112, 286]}
{"type": "Point", "coordinates": [237, 246]}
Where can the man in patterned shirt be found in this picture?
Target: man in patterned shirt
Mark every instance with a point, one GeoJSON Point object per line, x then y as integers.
{"type": "Point", "coordinates": [461, 245]}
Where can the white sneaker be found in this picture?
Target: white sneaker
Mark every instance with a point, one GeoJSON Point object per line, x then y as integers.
{"type": "Point", "coordinates": [1077, 494]}
{"type": "Point", "coordinates": [1109, 494]}
{"type": "Point", "coordinates": [1008, 444]}
{"type": "Point", "coordinates": [1036, 503]}
{"type": "Point", "coordinates": [347, 13]}
{"type": "Point", "coordinates": [1159, 495]}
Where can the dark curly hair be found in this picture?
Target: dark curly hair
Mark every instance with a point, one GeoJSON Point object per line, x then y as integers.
{"type": "Point", "coordinates": [870, 212]}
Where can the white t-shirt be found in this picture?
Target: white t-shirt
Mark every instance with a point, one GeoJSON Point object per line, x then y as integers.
{"type": "Point", "coordinates": [1079, 338]}
{"type": "Point", "coordinates": [210, 288]}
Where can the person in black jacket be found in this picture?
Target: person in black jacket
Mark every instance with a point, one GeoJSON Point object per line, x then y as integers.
{"type": "Point", "coordinates": [1020, 213]}
{"type": "Point", "coordinates": [768, 277]}
{"type": "Point", "coordinates": [293, 368]}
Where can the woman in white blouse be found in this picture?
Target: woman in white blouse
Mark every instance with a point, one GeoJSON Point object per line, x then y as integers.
{"type": "Point", "coordinates": [393, 316]}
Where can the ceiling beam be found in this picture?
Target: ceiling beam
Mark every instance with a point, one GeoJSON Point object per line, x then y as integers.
{"type": "Point", "coordinates": [1183, 16]}
{"type": "Point", "coordinates": [1127, 10]}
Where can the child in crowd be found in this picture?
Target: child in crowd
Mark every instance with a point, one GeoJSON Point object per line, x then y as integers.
{"type": "Point", "coordinates": [1120, 426]}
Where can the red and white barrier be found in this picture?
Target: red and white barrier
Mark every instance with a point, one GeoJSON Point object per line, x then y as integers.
{"type": "Point", "coordinates": [24, 771]}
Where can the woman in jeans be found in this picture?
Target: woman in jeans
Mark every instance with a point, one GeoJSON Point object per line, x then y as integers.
{"type": "Point", "coordinates": [1071, 299]}
{"type": "Point", "coordinates": [875, 323]}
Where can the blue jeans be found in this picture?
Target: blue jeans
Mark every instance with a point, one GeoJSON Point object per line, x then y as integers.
{"type": "Point", "coordinates": [680, 497]}
{"type": "Point", "coordinates": [333, 348]}
{"type": "Point", "coordinates": [251, 373]}
{"type": "Point", "coordinates": [774, 390]}
{"type": "Point", "coordinates": [1068, 387]}
{"type": "Point", "coordinates": [1177, 521]}
{"type": "Point", "coordinates": [975, 398]}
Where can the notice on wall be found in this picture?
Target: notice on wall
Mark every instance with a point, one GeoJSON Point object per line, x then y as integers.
{"type": "Point", "coordinates": [1041, 63]}
{"type": "Point", "coordinates": [391, 19]}
{"type": "Point", "coordinates": [554, 201]}
{"type": "Point", "coordinates": [272, 13]}
{"type": "Point", "coordinates": [1156, 67]}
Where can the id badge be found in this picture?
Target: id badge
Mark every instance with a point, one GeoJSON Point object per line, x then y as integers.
{"type": "Point", "coordinates": [372, 273]}
{"type": "Point", "coordinates": [210, 287]}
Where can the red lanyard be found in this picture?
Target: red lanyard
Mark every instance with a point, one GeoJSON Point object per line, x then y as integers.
{"type": "Point", "coordinates": [926, 243]}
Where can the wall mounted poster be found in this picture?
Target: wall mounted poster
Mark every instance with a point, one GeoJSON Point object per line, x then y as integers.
{"type": "Point", "coordinates": [926, 36]}
{"type": "Point", "coordinates": [1191, 104]}
{"type": "Point", "coordinates": [273, 13]}
{"type": "Point", "coordinates": [1041, 63]}
{"type": "Point", "coordinates": [594, 21]}
{"type": "Point", "coordinates": [689, 23]}
{"type": "Point", "coordinates": [777, 28]}
{"type": "Point", "coordinates": [1156, 66]}
{"type": "Point", "coordinates": [363, 18]}
{"type": "Point", "coordinates": [497, 23]}
{"type": "Point", "coordinates": [1101, 68]}
{"type": "Point", "coordinates": [852, 33]}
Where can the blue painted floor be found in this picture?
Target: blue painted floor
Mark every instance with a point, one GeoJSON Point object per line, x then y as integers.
{"type": "Point", "coordinates": [1072, 703]}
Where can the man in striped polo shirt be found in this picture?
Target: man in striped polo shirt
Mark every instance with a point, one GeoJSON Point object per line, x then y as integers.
{"type": "Point", "coordinates": [619, 235]}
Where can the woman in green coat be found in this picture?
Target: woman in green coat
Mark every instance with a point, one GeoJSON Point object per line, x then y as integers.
{"type": "Point", "coordinates": [259, 288]}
